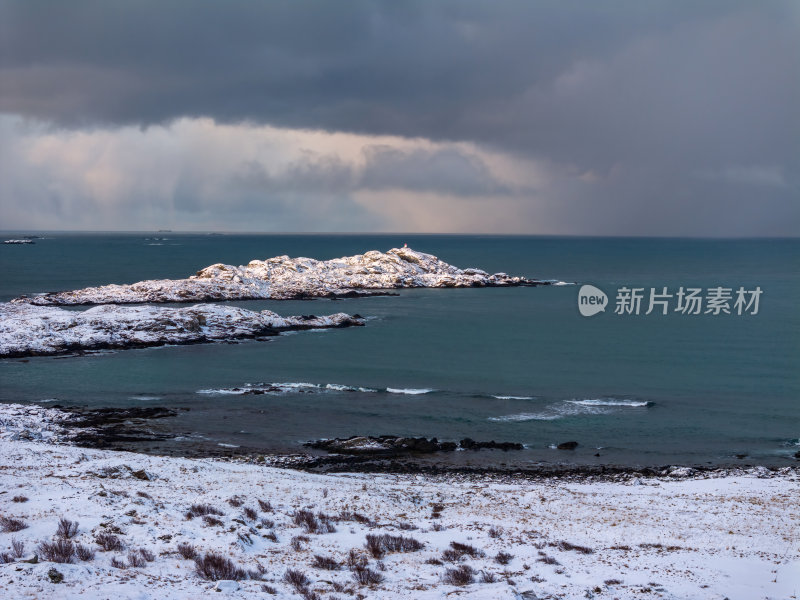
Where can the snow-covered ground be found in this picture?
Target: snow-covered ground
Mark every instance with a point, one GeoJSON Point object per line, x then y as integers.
{"type": "Point", "coordinates": [283, 277]}
{"type": "Point", "coordinates": [732, 536]}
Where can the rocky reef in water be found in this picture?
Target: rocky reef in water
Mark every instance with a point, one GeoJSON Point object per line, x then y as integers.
{"type": "Point", "coordinates": [394, 445]}
{"type": "Point", "coordinates": [27, 330]}
{"type": "Point", "coordinates": [285, 278]}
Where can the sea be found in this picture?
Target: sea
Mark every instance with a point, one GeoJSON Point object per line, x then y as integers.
{"type": "Point", "coordinates": [505, 364]}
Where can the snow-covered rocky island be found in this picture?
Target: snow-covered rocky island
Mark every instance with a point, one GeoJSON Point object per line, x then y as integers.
{"type": "Point", "coordinates": [27, 330]}
{"type": "Point", "coordinates": [88, 523]}
{"type": "Point", "coordinates": [284, 278]}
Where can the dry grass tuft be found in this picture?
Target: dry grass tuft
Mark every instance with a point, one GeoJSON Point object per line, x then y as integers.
{"type": "Point", "coordinates": [296, 578]}
{"type": "Point", "coordinates": [298, 541]}
{"type": "Point", "coordinates": [460, 576]}
{"type": "Point", "coordinates": [457, 551]}
{"type": "Point", "coordinates": [84, 553]}
{"type": "Point", "coordinates": [10, 525]}
{"type": "Point", "coordinates": [213, 567]}
{"type": "Point", "coordinates": [495, 532]}
{"type": "Point", "coordinates": [366, 576]}
{"type": "Point", "coordinates": [379, 545]}
{"type": "Point", "coordinates": [201, 510]}
{"type": "Point", "coordinates": [488, 577]}
{"type": "Point", "coordinates": [325, 562]}
{"type": "Point", "coordinates": [108, 542]}
{"type": "Point", "coordinates": [319, 523]}
{"type": "Point", "coordinates": [211, 521]}
{"type": "Point", "coordinates": [60, 551]}
{"type": "Point", "coordinates": [187, 551]}
{"type": "Point", "coordinates": [348, 515]}
{"type": "Point", "coordinates": [573, 547]}
{"type": "Point", "coordinates": [66, 529]}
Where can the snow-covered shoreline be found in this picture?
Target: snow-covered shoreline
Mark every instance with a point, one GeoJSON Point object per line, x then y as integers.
{"type": "Point", "coordinates": [27, 330]}
{"type": "Point", "coordinates": [283, 278]}
{"type": "Point", "coordinates": [731, 536]}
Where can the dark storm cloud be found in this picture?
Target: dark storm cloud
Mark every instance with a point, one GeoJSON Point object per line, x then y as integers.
{"type": "Point", "coordinates": [656, 101]}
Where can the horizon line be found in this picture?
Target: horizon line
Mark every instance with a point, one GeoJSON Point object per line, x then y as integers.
{"type": "Point", "coordinates": [401, 233]}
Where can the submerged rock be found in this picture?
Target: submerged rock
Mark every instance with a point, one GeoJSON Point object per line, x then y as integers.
{"type": "Point", "coordinates": [393, 445]}
{"type": "Point", "coordinates": [567, 445]}
{"type": "Point", "coordinates": [27, 330]}
{"type": "Point", "coordinates": [283, 278]}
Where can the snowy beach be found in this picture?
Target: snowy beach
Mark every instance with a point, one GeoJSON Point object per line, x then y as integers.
{"type": "Point", "coordinates": [727, 534]}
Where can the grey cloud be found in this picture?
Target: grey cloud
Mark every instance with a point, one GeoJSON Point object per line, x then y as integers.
{"type": "Point", "coordinates": [443, 171]}
{"type": "Point", "coordinates": [447, 171]}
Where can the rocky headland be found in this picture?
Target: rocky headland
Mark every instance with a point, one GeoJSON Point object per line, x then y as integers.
{"type": "Point", "coordinates": [27, 330]}
{"type": "Point", "coordinates": [285, 278]}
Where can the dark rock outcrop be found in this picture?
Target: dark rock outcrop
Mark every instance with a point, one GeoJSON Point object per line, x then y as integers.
{"type": "Point", "coordinates": [394, 445]}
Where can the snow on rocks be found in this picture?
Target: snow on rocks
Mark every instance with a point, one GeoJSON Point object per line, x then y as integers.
{"type": "Point", "coordinates": [282, 278]}
{"type": "Point", "coordinates": [27, 330]}
{"type": "Point", "coordinates": [732, 536]}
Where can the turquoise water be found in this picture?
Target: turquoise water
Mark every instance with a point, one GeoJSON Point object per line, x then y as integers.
{"type": "Point", "coordinates": [507, 364]}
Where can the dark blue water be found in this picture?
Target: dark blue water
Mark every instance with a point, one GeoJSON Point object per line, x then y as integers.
{"type": "Point", "coordinates": [647, 389]}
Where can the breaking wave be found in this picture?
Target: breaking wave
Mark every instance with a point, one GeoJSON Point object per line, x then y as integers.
{"type": "Point", "coordinates": [526, 417]}
{"type": "Point", "coordinates": [574, 408]}
{"type": "Point", "coordinates": [287, 388]}
{"type": "Point", "coordinates": [611, 402]}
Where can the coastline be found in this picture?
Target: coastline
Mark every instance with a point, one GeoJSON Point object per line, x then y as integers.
{"type": "Point", "coordinates": [686, 535]}
{"type": "Point", "coordinates": [147, 430]}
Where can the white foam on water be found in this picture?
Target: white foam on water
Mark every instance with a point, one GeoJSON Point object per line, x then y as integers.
{"type": "Point", "coordinates": [298, 387]}
{"type": "Point", "coordinates": [348, 388]}
{"type": "Point", "coordinates": [526, 417]}
{"type": "Point", "coordinates": [610, 402]}
{"type": "Point", "coordinates": [572, 408]}
{"type": "Point", "coordinates": [145, 398]}
{"type": "Point", "coordinates": [227, 445]}
{"type": "Point", "coordinates": [410, 391]}
{"type": "Point", "coordinates": [513, 397]}
{"type": "Point", "coordinates": [288, 388]}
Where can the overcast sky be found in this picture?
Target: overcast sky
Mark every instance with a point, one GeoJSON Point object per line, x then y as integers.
{"type": "Point", "coordinates": [587, 118]}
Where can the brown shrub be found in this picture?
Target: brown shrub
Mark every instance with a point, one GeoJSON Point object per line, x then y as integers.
{"type": "Point", "coordinates": [60, 551]}
{"type": "Point", "coordinates": [460, 576]}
